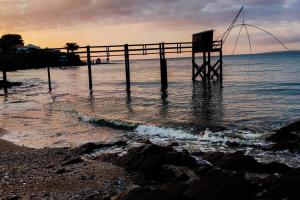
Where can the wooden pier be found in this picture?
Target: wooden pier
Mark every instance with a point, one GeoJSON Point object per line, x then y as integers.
{"type": "Point", "coordinates": [89, 53]}
{"type": "Point", "coordinates": [202, 43]}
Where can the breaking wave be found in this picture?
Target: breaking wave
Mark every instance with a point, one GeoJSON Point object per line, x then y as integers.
{"type": "Point", "coordinates": [168, 133]}
{"type": "Point", "coordinates": [115, 124]}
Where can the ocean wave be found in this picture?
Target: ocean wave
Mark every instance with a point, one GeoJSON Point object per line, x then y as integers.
{"type": "Point", "coordinates": [171, 133]}
{"type": "Point", "coordinates": [115, 124]}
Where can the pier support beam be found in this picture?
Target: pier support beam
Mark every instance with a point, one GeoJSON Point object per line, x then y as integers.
{"type": "Point", "coordinates": [208, 71]}
{"type": "Point", "coordinates": [204, 68]}
{"type": "Point", "coordinates": [163, 67]}
{"type": "Point", "coordinates": [127, 67]}
{"type": "Point", "coordinates": [221, 62]}
{"type": "Point", "coordinates": [49, 79]}
{"type": "Point", "coordinates": [4, 79]}
{"type": "Point", "coordinates": [89, 63]}
{"type": "Point", "coordinates": [209, 67]}
{"type": "Point", "coordinates": [193, 66]}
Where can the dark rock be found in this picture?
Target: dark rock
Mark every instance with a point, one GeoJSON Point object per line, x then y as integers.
{"type": "Point", "coordinates": [244, 163]}
{"type": "Point", "coordinates": [147, 193]}
{"type": "Point", "coordinates": [216, 184]}
{"type": "Point", "coordinates": [91, 147]}
{"type": "Point", "coordinates": [144, 141]}
{"type": "Point", "coordinates": [148, 163]}
{"type": "Point", "coordinates": [203, 170]}
{"type": "Point", "coordinates": [213, 156]}
{"type": "Point", "coordinates": [213, 185]}
{"type": "Point", "coordinates": [232, 161]}
{"type": "Point", "coordinates": [292, 128]}
{"type": "Point", "coordinates": [287, 137]}
{"type": "Point", "coordinates": [12, 197]}
{"type": "Point", "coordinates": [72, 162]}
{"type": "Point", "coordinates": [180, 173]}
{"type": "Point", "coordinates": [180, 159]}
{"type": "Point", "coordinates": [174, 144]}
{"type": "Point", "coordinates": [285, 187]}
{"type": "Point", "coordinates": [232, 144]}
{"type": "Point", "coordinates": [106, 157]}
{"type": "Point", "coordinates": [61, 171]}
{"type": "Point", "coordinates": [88, 148]}
{"type": "Point", "coordinates": [9, 84]}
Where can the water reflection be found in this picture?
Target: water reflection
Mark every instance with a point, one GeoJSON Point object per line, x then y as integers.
{"type": "Point", "coordinates": [207, 105]}
{"type": "Point", "coordinates": [164, 103]}
{"type": "Point", "coordinates": [129, 102]}
{"type": "Point", "coordinates": [5, 97]}
{"type": "Point", "coordinates": [91, 102]}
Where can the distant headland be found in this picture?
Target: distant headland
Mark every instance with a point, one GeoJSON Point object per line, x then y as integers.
{"type": "Point", "coordinates": [17, 56]}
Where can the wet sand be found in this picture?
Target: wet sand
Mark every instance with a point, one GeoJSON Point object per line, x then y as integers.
{"type": "Point", "coordinates": [5, 145]}
{"type": "Point", "coordinates": [55, 174]}
{"type": "Point", "coordinates": [145, 172]}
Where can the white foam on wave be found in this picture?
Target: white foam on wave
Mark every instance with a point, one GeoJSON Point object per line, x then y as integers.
{"type": "Point", "coordinates": [164, 134]}
{"type": "Point", "coordinates": [85, 118]}
{"type": "Point", "coordinates": [16, 137]}
{"type": "Point", "coordinates": [149, 130]}
{"type": "Point", "coordinates": [221, 137]}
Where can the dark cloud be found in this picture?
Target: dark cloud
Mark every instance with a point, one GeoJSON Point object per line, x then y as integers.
{"type": "Point", "coordinates": [169, 14]}
{"type": "Point", "coordinates": [26, 14]}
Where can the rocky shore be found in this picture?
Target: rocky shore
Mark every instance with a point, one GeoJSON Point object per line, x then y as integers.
{"type": "Point", "coordinates": [147, 172]}
{"type": "Point", "coordinates": [9, 84]}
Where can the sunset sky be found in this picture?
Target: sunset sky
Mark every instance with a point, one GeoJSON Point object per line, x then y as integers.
{"type": "Point", "coordinates": [52, 23]}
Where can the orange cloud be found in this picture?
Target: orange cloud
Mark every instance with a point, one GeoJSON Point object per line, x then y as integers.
{"type": "Point", "coordinates": [52, 23]}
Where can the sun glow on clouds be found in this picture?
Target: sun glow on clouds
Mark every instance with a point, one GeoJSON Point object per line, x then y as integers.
{"type": "Point", "coordinates": [53, 23]}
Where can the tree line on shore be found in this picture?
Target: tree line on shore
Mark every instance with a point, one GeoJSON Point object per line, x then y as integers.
{"type": "Point", "coordinates": [15, 56]}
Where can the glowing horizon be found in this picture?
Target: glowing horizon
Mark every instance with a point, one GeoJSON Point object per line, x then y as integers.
{"type": "Point", "coordinates": [109, 22]}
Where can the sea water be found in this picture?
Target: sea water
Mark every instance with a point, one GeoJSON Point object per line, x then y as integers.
{"type": "Point", "coordinates": [260, 93]}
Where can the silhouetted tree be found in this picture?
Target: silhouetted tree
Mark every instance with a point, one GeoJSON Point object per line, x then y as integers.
{"type": "Point", "coordinates": [71, 47]}
{"type": "Point", "coordinates": [10, 41]}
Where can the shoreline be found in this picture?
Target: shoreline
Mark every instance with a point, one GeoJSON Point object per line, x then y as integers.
{"type": "Point", "coordinates": [146, 171]}
{"type": "Point", "coordinates": [6, 145]}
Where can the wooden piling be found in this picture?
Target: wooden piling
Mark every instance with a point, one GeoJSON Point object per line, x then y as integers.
{"type": "Point", "coordinates": [163, 66]}
{"type": "Point", "coordinates": [127, 67]}
{"type": "Point", "coordinates": [49, 79]}
{"type": "Point", "coordinates": [4, 79]}
{"type": "Point", "coordinates": [221, 62]}
{"type": "Point", "coordinates": [193, 67]}
{"type": "Point", "coordinates": [204, 70]}
{"type": "Point", "coordinates": [89, 63]}
{"type": "Point", "coordinates": [208, 66]}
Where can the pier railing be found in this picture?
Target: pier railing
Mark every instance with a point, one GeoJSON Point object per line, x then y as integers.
{"type": "Point", "coordinates": [207, 71]}
{"type": "Point", "coordinates": [134, 49]}
{"type": "Point", "coordinates": [90, 53]}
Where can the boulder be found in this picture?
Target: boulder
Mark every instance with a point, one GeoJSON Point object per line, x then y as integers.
{"type": "Point", "coordinates": [91, 147]}
{"type": "Point", "coordinates": [163, 173]}
{"type": "Point", "coordinates": [287, 138]}
{"type": "Point", "coordinates": [217, 184]}
{"type": "Point", "coordinates": [232, 144]}
{"type": "Point", "coordinates": [237, 161]}
{"type": "Point", "coordinates": [148, 193]}
{"type": "Point", "coordinates": [149, 163]}
{"type": "Point", "coordinates": [284, 187]}
{"type": "Point", "coordinates": [9, 84]}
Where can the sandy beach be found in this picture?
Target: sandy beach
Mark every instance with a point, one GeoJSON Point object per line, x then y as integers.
{"type": "Point", "coordinates": [55, 174]}
{"type": "Point", "coordinates": [7, 146]}
{"type": "Point", "coordinates": [147, 171]}
{"type": "Point", "coordinates": [149, 100]}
